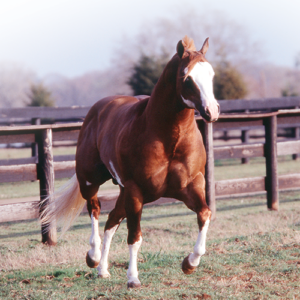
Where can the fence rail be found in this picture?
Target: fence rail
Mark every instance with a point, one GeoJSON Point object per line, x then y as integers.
{"type": "Point", "coordinates": [44, 167]}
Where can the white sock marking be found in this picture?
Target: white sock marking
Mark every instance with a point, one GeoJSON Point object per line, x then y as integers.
{"type": "Point", "coordinates": [95, 241]}
{"type": "Point", "coordinates": [103, 266]}
{"type": "Point", "coordinates": [132, 273]}
{"type": "Point", "coordinates": [115, 174]}
{"type": "Point", "coordinates": [199, 249]}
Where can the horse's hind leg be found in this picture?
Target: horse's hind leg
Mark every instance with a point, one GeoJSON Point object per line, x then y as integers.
{"type": "Point", "coordinates": [196, 202]}
{"type": "Point", "coordinates": [114, 219]}
{"type": "Point", "coordinates": [89, 184]}
{"type": "Point", "coordinates": [93, 255]}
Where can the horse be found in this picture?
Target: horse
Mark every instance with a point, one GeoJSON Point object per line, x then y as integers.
{"type": "Point", "coordinates": [151, 147]}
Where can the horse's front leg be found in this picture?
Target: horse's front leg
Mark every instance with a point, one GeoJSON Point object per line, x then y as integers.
{"type": "Point", "coordinates": [196, 201]}
{"type": "Point", "coordinates": [133, 207]}
{"type": "Point", "coordinates": [114, 219]}
{"type": "Point", "coordinates": [190, 263]}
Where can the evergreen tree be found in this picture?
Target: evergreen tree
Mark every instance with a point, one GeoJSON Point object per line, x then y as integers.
{"type": "Point", "coordinates": [40, 96]}
{"type": "Point", "coordinates": [228, 83]}
{"type": "Point", "coordinates": [146, 73]}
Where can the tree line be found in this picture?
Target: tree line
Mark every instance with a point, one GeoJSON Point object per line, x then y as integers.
{"type": "Point", "coordinates": [240, 70]}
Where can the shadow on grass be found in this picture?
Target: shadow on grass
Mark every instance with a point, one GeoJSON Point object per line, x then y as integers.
{"type": "Point", "coordinates": [149, 218]}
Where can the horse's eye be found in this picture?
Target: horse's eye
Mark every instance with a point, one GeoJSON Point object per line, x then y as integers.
{"type": "Point", "coordinates": [189, 81]}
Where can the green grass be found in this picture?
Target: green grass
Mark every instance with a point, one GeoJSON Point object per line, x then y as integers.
{"type": "Point", "coordinates": [31, 189]}
{"type": "Point", "coordinates": [12, 153]}
{"type": "Point", "coordinates": [251, 253]}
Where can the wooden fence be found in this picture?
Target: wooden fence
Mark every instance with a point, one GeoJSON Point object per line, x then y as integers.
{"type": "Point", "coordinates": [44, 167]}
{"type": "Point", "coordinates": [272, 183]}
{"type": "Point", "coordinates": [58, 114]}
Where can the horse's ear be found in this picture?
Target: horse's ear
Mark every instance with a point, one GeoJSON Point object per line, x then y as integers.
{"type": "Point", "coordinates": [204, 47]}
{"type": "Point", "coordinates": [180, 49]}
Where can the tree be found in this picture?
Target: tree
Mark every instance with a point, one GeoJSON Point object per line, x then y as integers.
{"type": "Point", "coordinates": [289, 91]}
{"type": "Point", "coordinates": [228, 83]}
{"type": "Point", "coordinates": [40, 96]}
{"type": "Point", "coordinates": [146, 73]}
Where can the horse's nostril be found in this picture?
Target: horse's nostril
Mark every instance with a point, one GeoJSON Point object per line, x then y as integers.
{"type": "Point", "coordinates": [207, 111]}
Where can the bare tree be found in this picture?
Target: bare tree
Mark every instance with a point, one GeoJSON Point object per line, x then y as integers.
{"type": "Point", "coordinates": [229, 41]}
{"type": "Point", "coordinates": [85, 90]}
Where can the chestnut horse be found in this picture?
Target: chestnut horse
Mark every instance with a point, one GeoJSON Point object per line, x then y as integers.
{"type": "Point", "coordinates": [151, 147]}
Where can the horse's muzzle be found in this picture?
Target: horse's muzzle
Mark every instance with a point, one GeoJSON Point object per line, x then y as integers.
{"type": "Point", "coordinates": [212, 112]}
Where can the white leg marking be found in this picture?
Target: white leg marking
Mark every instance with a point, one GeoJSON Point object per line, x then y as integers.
{"type": "Point", "coordinates": [95, 241]}
{"type": "Point", "coordinates": [199, 249]}
{"type": "Point", "coordinates": [132, 273]}
{"type": "Point", "coordinates": [115, 174]}
{"type": "Point", "coordinates": [103, 266]}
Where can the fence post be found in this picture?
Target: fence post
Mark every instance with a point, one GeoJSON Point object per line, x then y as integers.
{"type": "Point", "coordinates": [209, 168]}
{"type": "Point", "coordinates": [271, 184]}
{"type": "Point", "coordinates": [34, 146]}
{"type": "Point", "coordinates": [45, 171]}
{"type": "Point", "coordinates": [296, 136]}
{"type": "Point", "coordinates": [245, 140]}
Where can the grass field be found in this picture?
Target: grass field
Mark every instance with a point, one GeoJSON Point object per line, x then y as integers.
{"type": "Point", "coordinates": [252, 253]}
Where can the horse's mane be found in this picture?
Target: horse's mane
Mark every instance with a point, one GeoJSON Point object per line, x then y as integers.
{"type": "Point", "coordinates": [189, 43]}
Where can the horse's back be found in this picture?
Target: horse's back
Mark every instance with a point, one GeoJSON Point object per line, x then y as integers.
{"type": "Point", "coordinates": [102, 127]}
{"type": "Point", "coordinates": [108, 108]}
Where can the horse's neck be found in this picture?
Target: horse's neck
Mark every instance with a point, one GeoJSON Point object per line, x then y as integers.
{"type": "Point", "coordinates": [164, 110]}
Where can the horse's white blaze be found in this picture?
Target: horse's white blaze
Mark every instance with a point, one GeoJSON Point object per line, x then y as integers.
{"type": "Point", "coordinates": [199, 249]}
{"type": "Point", "coordinates": [103, 266]}
{"type": "Point", "coordinates": [95, 241]}
{"type": "Point", "coordinates": [132, 273]}
{"type": "Point", "coordinates": [88, 183]}
{"type": "Point", "coordinates": [115, 174]}
{"type": "Point", "coordinates": [203, 74]}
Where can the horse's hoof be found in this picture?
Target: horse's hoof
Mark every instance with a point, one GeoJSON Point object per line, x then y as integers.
{"type": "Point", "coordinates": [105, 275]}
{"type": "Point", "coordinates": [186, 267]}
{"type": "Point", "coordinates": [133, 284]}
{"type": "Point", "coordinates": [90, 262]}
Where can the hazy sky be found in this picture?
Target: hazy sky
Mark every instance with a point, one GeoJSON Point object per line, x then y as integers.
{"type": "Point", "coordinates": [71, 37]}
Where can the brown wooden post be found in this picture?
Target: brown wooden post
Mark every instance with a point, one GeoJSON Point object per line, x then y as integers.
{"type": "Point", "coordinates": [297, 137]}
{"type": "Point", "coordinates": [271, 185]}
{"type": "Point", "coordinates": [34, 146]}
{"type": "Point", "coordinates": [45, 171]}
{"type": "Point", "coordinates": [245, 140]}
{"type": "Point", "coordinates": [209, 168]}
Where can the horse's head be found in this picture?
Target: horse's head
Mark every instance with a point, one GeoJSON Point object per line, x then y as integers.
{"type": "Point", "coordinates": [195, 80]}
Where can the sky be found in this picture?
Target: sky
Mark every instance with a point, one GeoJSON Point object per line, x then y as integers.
{"type": "Point", "coordinates": [73, 37]}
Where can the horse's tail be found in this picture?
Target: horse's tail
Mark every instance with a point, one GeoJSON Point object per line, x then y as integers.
{"type": "Point", "coordinates": [64, 206]}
